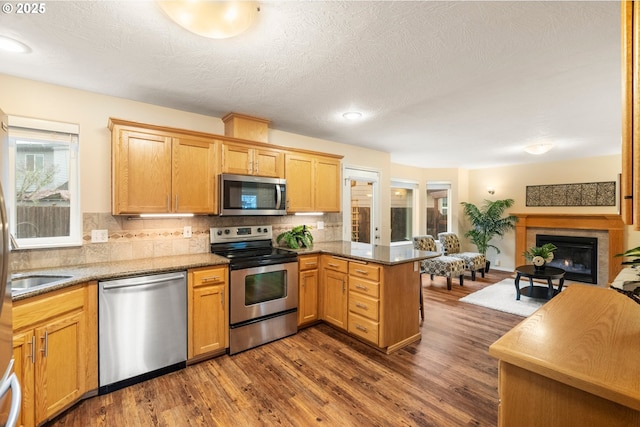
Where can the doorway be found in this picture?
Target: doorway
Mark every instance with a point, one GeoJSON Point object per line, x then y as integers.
{"type": "Point", "coordinates": [361, 207]}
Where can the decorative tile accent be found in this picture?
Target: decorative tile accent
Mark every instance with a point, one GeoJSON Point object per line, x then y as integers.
{"type": "Point", "coordinates": [584, 194]}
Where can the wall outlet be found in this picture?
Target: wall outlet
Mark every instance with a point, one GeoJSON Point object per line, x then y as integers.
{"type": "Point", "coordinates": [186, 232]}
{"type": "Point", "coordinates": [99, 236]}
{"type": "Point", "coordinates": [497, 262]}
{"type": "Point", "coordinates": [320, 225]}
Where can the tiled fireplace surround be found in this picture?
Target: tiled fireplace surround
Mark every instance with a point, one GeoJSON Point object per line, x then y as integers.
{"type": "Point", "coordinates": [608, 229]}
{"type": "Point", "coordinates": [131, 238]}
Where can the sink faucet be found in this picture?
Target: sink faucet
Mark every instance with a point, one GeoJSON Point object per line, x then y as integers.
{"type": "Point", "coordinates": [14, 244]}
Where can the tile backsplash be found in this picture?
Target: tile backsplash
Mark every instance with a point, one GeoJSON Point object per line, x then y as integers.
{"type": "Point", "coordinates": [132, 238]}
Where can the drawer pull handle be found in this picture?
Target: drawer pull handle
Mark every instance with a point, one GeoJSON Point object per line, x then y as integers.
{"type": "Point", "coordinates": [333, 265]}
{"type": "Point", "coordinates": [360, 327]}
{"type": "Point", "coordinates": [364, 288]}
{"type": "Point", "coordinates": [360, 305]}
{"type": "Point", "coordinates": [309, 263]}
{"type": "Point", "coordinates": [206, 279]}
{"type": "Point", "coordinates": [365, 272]}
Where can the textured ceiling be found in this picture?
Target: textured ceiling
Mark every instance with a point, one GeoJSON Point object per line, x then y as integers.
{"type": "Point", "coordinates": [441, 84]}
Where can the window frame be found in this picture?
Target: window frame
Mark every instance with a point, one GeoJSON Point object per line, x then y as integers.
{"type": "Point", "coordinates": [414, 187]}
{"type": "Point", "coordinates": [71, 136]}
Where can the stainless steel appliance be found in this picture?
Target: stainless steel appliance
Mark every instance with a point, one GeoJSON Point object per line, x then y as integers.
{"type": "Point", "coordinates": [263, 286]}
{"type": "Point", "coordinates": [142, 327]}
{"type": "Point", "coordinates": [9, 381]}
{"type": "Point", "coordinates": [252, 195]}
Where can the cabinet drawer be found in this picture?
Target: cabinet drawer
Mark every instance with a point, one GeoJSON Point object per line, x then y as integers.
{"type": "Point", "coordinates": [209, 276]}
{"type": "Point", "coordinates": [336, 264]}
{"type": "Point", "coordinates": [364, 286]}
{"type": "Point", "coordinates": [364, 306]}
{"type": "Point", "coordinates": [307, 262]}
{"type": "Point", "coordinates": [371, 272]}
{"type": "Point", "coordinates": [363, 327]}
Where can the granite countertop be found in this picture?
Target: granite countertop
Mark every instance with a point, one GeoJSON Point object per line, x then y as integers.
{"type": "Point", "coordinates": [387, 255]}
{"type": "Point", "coordinates": [113, 270]}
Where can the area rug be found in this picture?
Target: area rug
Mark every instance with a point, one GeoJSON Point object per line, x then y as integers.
{"type": "Point", "coordinates": [502, 296]}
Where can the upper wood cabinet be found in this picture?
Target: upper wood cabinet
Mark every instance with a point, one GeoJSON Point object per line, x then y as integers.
{"type": "Point", "coordinates": [162, 170]}
{"type": "Point", "coordinates": [245, 159]}
{"type": "Point", "coordinates": [313, 183]}
{"type": "Point", "coordinates": [630, 180]}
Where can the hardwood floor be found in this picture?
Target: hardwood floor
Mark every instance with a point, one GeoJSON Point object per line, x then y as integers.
{"type": "Point", "coordinates": [321, 376]}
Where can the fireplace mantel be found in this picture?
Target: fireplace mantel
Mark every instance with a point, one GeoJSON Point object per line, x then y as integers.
{"type": "Point", "coordinates": [608, 222]}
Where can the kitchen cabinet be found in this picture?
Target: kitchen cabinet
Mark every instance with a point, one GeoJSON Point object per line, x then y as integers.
{"type": "Point", "coordinates": [335, 296]}
{"type": "Point", "coordinates": [307, 289]}
{"type": "Point", "coordinates": [630, 177]}
{"type": "Point", "coordinates": [248, 159]}
{"type": "Point", "coordinates": [313, 182]}
{"type": "Point", "coordinates": [364, 301]}
{"type": "Point", "coordinates": [55, 350]}
{"type": "Point", "coordinates": [162, 170]}
{"type": "Point", "coordinates": [208, 308]}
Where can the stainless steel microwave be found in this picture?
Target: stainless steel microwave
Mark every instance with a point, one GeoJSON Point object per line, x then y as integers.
{"type": "Point", "coordinates": [252, 195]}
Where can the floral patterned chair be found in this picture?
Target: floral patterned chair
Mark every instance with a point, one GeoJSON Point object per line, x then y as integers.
{"type": "Point", "coordinates": [443, 265]}
{"type": "Point", "coordinates": [473, 261]}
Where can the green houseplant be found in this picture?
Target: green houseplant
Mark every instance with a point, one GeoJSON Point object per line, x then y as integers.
{"type": "Point", "coordinates": [296, 238]}
{"type": "Point", "coordinates": [540, 255]}
{"type": "Point", "coordinates": [488, 222]}
{"type": "Point", "coordinates": [635, 253]}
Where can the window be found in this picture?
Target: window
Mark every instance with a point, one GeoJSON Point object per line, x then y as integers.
{"type": "Point", "coordinates": [438, 218]}
{"type": "Point", "coordinates": [403, 211]}
{"type": "Point", "coordinates": [42, 191]}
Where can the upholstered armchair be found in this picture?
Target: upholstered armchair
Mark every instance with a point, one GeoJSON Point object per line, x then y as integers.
{"type": "Point", "coordinates": [473, 261]}
{"type": "Point", "coordinates": [442, 265]}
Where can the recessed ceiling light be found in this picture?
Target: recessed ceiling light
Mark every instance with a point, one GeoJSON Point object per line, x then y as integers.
{"type": "Point", "coordinates": [11, 45]}
{"type": "Point", "coordinates": [352, 115]}
{"type": "Point", "coordinates": [538, 148]}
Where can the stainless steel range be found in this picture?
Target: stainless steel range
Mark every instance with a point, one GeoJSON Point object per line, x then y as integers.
{"type": "Point", "coordinates": [263, 286]}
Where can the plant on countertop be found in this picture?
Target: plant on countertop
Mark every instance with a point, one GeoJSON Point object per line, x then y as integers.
{"type": "Point", "coordinates": [545, 252]}
{"type": "Point", "coordinates": [296, 238]}
{"type": "Point", "coordinates": [488, 222]}
{"type": "Point", "coordinates": [635, 252]}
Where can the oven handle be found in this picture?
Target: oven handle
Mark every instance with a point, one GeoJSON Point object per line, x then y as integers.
{"type": "Point", "coordinates": [278, 196]}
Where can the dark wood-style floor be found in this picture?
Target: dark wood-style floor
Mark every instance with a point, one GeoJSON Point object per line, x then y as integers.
{"type": "Point", "coordinates": [323, 377]}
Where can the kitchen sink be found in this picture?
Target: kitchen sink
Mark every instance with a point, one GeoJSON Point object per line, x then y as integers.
{"type": "Point", "coordinates": [29, 281]}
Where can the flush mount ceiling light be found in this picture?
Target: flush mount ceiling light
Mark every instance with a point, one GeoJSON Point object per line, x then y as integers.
{"type": "Point", "coordinates": [352, 115]}
{"type": "Point", "coordinates": [212, 19]}
{"type": "Point", "coordinates": [10, 45]}
{"type": "Point", "coordinates": [538, 148]}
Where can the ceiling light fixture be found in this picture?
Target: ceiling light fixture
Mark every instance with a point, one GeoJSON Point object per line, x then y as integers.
{"type": "Point", "coordinates": [212, 19]}
{"type": "Point", "coordinates": [538, 148]}
{"type": "Point", "coordinates": [10, 45]}
{"type": "Point", "coordinates": [352, 115]}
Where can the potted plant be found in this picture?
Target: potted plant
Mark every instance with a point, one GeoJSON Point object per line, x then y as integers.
{"type": "Point", "coordinates": [296, 238]}
{"type": "Point", "coordinates": [488, 222]}
{"type": "Point", "coordinates": [540, 255]}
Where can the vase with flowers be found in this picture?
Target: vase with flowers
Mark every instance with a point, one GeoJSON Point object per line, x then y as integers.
{"type": "Point", "coordinates": [539, 256]}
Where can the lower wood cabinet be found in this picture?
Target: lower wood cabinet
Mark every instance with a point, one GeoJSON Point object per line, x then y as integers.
{"type": "Point", "coordinates": [307, 289]}
{"type": "Point", "coordinates": [335, 279]}
{"type": "Point", "coordinates": [208, 312]}
{"type": "Point", "coordinates": [55, 350]}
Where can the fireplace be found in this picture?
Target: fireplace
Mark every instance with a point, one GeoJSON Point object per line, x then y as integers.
{"type": "Point", "coordinates": [578, 256]}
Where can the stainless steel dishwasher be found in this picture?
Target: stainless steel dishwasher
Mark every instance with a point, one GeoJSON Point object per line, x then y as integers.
{"type": "Point", "coordinates": [142, 325]}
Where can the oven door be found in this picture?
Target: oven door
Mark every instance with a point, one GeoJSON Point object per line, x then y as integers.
{"type": "Point", "coordinates": [262, 291]}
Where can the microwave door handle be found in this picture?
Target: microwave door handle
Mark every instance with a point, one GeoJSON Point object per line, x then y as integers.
{"type": "Point", "coordinates": [278, 196]}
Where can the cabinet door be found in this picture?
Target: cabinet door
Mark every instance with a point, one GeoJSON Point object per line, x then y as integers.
{"type": "Point", "coordinates": [194, 175]}
{"type": "Point", "coordinates": [59, 379]}
{"type": "Point", "coordinates": [335, 298]}
{"type": "Point", "coordinates": [236, 159]}
{"type": "Point", "coordinates": [308, 299]}
{"type": "Point", "coordinates": [268, 163]}
{"type": "Point", "coordinates": [209, 315]}
{"type": "Point", "coordinates": [141, 172]}
{"type": "Point", "coordinates": [24, 353]}
{"type": "Point", "coordinates": [327, 185]}
{"type": "Point", "coordinates": [299, 175]}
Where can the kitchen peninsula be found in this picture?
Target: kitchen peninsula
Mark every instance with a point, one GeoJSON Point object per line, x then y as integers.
{"type": "Point", "coordinates": [370, 291]}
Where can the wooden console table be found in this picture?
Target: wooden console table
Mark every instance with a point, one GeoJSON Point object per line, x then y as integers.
{"type": "Point", "coordinates": [574, 362]}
